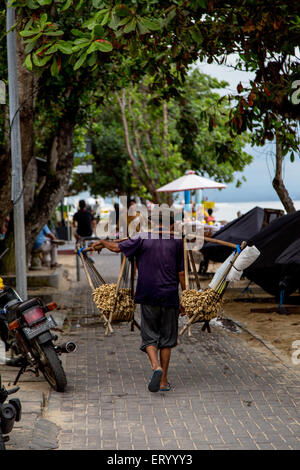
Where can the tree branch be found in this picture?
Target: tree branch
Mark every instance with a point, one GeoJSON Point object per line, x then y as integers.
{"type": "Point", "coordinates": [278, 183]}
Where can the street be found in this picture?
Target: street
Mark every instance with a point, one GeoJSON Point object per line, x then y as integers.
{"type": "Point", "coordinates": [224, 394]}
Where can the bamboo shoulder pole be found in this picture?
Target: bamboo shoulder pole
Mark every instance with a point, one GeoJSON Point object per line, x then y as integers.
{"type": "Point", "coordinates": [193, 264]}
{"type": "Point", "coordinates": [186, 268]}
{"type": "Point", "coordinates": [93, 288]}
{"type": "Point", "coordinates": [117, 290]}
{"type": "Point", "coordinates": [186, 271]}
{"type": "Point", "coordinates": [219, 242]}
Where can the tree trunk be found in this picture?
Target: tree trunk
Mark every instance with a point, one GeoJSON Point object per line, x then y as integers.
{"type": "Point", "coordinates": [56, 183]}
{"type": "Point", "coordinates": [26, 89]}
{"type": "Point", "coordinates": [278, 183]}
{"type": "Point", "coordinates": [7, 263]}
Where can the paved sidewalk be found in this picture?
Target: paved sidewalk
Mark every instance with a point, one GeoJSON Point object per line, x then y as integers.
{"type": "Point", "coordinates": [224, 394]}
{"type": "Point", "coordinates": [33, 431]}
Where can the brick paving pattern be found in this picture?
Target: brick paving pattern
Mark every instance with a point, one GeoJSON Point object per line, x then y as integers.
{"type": "Point", "coordinates": [224, 394]}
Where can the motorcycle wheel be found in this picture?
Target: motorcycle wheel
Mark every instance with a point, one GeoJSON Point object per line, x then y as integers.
{"type": "Point", "coordinates": [51, 367]}
{"type": "Point", "coordinates": [2, 445]}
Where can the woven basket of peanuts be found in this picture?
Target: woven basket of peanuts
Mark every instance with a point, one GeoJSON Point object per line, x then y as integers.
{"type": "Point", "coordinates": [105, 299]}
{"type": "Point", "coordinates": [205, 304]}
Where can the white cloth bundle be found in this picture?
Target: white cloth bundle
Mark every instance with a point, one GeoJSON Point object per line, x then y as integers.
{"type": "Point", "coordinates": [220, 272]}
{"type": "Point", "coordinates": [244, 260]}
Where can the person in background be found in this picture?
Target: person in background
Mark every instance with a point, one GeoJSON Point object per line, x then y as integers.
{"type": "Point", "coordinates": [83, 220]}
{"type": "Point", "coordinates": [4, 228]}
{"type": "Point", "coordinates": [43, 243]}
{"type": "Point", "coordinates": [3, 232]}
{"type": "Point", "coordinates": [209, 218]}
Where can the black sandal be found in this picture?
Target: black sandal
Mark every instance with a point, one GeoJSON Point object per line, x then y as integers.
{"type": "Point", "coordinates": [154, 382]}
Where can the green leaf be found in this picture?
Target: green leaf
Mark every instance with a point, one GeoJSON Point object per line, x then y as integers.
{"type": "Point", "coordinates": [113, 24]}
{"type": "Point", "coordinates": [122, 10]}
{"type": "Point", "coordinates": [196, 35]}
{"type": "Point", "coordinates": [43, 19]}
{"type": "Point", "coordinates": [52, 49]}
{"type": "Point", "coordinates": [151, 23]}
{"type": "Point", "coordinates": [44, 2]}
{"type": "Point", "coordinates": [58, 32]}
{"type": "Point", "coordinates": [81, 41]}
{"type": "Point", "coordinates": [142, 27]}
{"type": "Point", "coordinates": [105, 19]}
{"type": "Point", "coordinates": [26, 33]}
{"type": "Point", "coordinates": [98, 31]}
{"type": "Point", "coordinates": [32, 4]}
{"type": "Point", "coordinates": [40, 61]}
{"type": "Point", "coordinates": [79, 5]}
{"type": "Point", "coordinates": [54, 68]}
{"type": "Point", "coordinates": [124, 21]}
{"type": "Point", "coordinates": [98, 3]}
{"type": "Point", "coordinates": [78, 33]}
{"type": "Point", "coordinates": [29, 47]}
{"type": "Point", "coordinates": [67, 5]}
{"type": "Point", "coordinates": [103, 45]}
{"type": "Point", "coordinates": [80, 44]}
{"type": "Point", "coordinates": [65, 47]}
{"type": "Point", "coordinates": [92, 59]}
{"type": "Point", "coordinates": [130, 26]}
{"type": "Point", "coordinates": [170, 16]}
{"type": "Point", "coordinates": [92, 48]}
{"type": "Point", "coordinates": [28, 62]}
{"type": "Point", "coordinates": [43, 48]}
{"type": "Point", "coordinates": [80, 61]}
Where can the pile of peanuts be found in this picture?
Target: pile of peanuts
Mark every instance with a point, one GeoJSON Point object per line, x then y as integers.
{"type": "Point", "coordinates": [206, 304]}
{"type": "Point", "coordinates": [104, 297]}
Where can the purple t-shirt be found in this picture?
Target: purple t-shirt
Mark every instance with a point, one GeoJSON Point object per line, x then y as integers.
{"type": "Point", "coordinates": [158, 262]}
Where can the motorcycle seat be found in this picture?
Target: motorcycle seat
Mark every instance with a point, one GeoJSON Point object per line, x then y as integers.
{"type": "Point", "coordinates": [15, 311]}
{"type": "Point", "coordinates": [22, 306]}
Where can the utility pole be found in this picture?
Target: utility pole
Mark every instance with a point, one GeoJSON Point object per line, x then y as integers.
{"type": "Point", "coordinates": [16, 158]}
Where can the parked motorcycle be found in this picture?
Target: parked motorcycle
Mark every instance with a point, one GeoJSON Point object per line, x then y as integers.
{"type": "Point", "coordinates": [9, 413]}
{"type": "Point", "coordinates": [25, 330]}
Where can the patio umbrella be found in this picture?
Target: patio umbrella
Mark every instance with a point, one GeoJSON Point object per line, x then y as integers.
{"type": "Point", "coordinates": [189, 182]}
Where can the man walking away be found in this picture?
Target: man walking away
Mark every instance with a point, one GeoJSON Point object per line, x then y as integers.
{"type": "Point", "coordinates": [160, 269]}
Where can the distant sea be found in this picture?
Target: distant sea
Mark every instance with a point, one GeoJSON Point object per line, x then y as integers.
{"type": "Point", "coordinates": [228, 210]}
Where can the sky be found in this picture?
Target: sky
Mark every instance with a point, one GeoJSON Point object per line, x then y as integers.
{"type": "Point", "coordinates": [259, 173]}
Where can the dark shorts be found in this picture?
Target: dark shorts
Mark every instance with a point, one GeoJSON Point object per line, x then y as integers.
{"type": "Point", "coordinates": [159, 326]}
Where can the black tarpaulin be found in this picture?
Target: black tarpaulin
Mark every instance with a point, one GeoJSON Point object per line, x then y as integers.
{"type": "Point", "coordinates": [280, 249]}
{"type": "Point", "coordinates": [291, 255]}
{"type": "Point", "coordinates": [240, 229]}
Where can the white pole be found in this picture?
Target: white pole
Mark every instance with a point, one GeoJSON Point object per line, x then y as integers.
{"type": "Point", "coordinates": [16, 158]}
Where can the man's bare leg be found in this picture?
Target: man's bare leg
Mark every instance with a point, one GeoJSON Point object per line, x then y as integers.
{"type": "Point", "coordinates": [154, 382]}
{"type": "Point", "coordinates": [165, 355]}
{"type": "Point", "coordinates": [153, 357]}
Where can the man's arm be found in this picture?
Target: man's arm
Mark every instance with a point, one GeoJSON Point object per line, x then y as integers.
{"type": "Point", "coordinates": [50, 235]}
{"type": "Point", "coordinates": [111, 245]}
